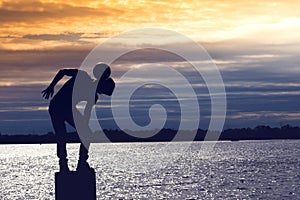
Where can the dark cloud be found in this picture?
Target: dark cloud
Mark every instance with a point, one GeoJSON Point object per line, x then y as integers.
{"type": "Point", "coordinates": [260, 89]}
{"type": "Point", "coordinates": [23, 67]}
{"type": "Point", "coordinates": [78, 38]}
{"type": "Point", "coordinates": [236, 48]}
{"type": "Point", "coordinates": [70, 37]}
{"type": "Point", "coordinates": [8, 37]}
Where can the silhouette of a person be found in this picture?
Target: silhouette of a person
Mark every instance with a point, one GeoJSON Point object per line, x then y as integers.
{"type": "Point", "coordinates": [63, 105]}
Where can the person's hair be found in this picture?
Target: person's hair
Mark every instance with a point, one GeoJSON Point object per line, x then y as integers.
{"type": "Point", "coordinates": [106, 87]}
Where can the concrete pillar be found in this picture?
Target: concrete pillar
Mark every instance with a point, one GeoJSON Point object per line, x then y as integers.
{"type": "Point", "coordinates": [75, 185]}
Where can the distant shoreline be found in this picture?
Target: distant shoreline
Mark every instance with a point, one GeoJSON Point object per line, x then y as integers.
{"type": "Point", "coordinates": [165, 135]}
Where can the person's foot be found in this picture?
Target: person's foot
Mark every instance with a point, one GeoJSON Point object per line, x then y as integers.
{"type": "Point", "coordinates": [83, 166]}
{"type": "Point", "coordinates": [64, 169]}
{"type": "Point", "coordinates": [63, 166]}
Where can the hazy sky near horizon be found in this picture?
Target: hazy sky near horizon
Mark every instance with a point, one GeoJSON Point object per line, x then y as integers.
{"type": "Point", "coordinates": [255, 45]}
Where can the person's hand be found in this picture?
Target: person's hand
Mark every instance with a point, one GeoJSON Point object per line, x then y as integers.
{"type": "Point", "coordinates": [48, 92]}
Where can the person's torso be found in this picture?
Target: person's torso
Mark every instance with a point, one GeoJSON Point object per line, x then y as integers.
{"type": "Point", "coordinates": [78, 88]}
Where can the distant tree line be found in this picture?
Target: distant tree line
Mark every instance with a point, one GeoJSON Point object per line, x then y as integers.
{"type": "Point", "coordinates": [257, 133]}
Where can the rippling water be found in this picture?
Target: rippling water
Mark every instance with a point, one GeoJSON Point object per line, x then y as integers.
{"type": "Point", "coordinates": [234, 170]}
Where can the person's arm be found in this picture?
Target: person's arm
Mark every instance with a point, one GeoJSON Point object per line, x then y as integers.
{"type": "Point", "coordinates": [63, 72]}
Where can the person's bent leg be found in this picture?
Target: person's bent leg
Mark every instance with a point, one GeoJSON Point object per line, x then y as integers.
{"type": "Point", "coordinates": [84, 148]}
{"type": "Point", "coordinates": [83, 157]}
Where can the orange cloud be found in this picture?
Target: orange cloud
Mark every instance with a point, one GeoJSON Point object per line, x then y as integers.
{"type": "Point", "coordinates": [208, 21]}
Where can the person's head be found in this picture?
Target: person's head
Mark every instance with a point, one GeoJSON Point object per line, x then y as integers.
{"type": "Point", "coordinates": [105, 85]}
{"type": "Point", "coordinates": [101, 71]}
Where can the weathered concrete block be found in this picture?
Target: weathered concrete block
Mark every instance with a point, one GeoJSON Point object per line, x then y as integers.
{"type": "Point", "coordinates": [75, 185]}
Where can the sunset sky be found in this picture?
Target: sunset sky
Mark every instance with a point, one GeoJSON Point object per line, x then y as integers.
{"type": "Point", "coordinates": [255, 44]}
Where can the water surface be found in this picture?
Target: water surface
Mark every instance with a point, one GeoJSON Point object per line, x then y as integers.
{"type": "Point", "coordinates": [234, 170]}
